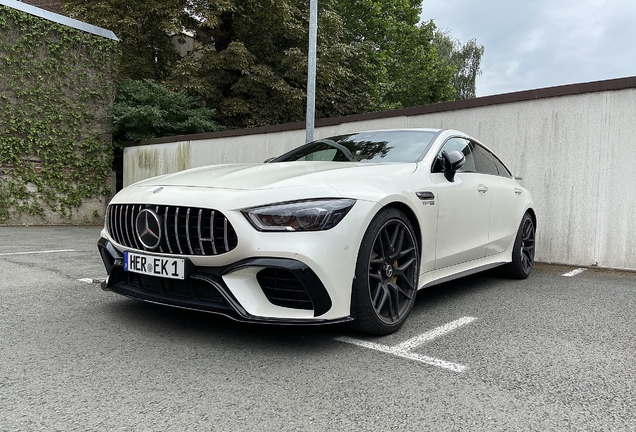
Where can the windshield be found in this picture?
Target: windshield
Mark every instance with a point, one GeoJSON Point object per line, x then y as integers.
{"type": "Point", "coordinates": [381, 146]}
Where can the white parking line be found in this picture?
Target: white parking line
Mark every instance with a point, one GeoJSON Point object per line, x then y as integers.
{"type": "Point", "coordinates": [433, 334]}
{"type": "Point", "coordinates": [574, 272]}
{"type": "Point", "coordinates": [38, 252]}
{"type": "Point", "coordinates": [403, 349]}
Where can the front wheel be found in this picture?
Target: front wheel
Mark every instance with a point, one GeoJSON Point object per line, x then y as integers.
{"type": "Point", "coordinates": [387, 272]}
{"type": "Point", "coordinates": [523, 252]}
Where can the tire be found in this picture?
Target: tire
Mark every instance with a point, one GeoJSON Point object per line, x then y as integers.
{"type": "Point", "coordinates": [523, 252]}
{"type": "Point", "coordinates": [386, 276]}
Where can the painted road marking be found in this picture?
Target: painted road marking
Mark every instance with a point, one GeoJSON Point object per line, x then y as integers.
{"type": "Point", "coordinates": [574, 272]}
{"type": "Point", "coordinates": [38, 252]}
{"type": "Point", "coordinates": [433, 334]}
{"type": "Point", "coordinates": [404, 349]}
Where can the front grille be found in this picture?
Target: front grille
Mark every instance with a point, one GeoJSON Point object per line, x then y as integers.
{"type": "Point", "coordinates": [283, 288]}
{"type": "Point", "coordinates": [184, 230]}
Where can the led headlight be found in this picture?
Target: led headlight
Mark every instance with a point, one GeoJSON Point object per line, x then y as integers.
{"type": "Point", "coordinates": [314, 215]}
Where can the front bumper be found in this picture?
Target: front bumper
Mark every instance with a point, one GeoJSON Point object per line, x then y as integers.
{"type": "Point", "coordinates": [243, 278]}
{"type": "Point", "coordinates": [259, 289]}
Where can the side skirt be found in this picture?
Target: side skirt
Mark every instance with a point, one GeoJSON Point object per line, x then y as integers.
{"type": "Point", "coordinates": [447, 274]}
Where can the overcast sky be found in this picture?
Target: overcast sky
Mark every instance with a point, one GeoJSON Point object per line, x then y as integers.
{"type": "Point", "coordinates": [542, 43]}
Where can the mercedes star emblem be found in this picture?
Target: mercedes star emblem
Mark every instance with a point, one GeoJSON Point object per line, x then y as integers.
{"type": "Point", "coordinates": [148, 229]}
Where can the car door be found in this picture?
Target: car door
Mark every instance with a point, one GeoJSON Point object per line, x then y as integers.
{"type": "Point", "coordinates": [464, 208]}
{"type": "Point", "coordinates": [507, 204]}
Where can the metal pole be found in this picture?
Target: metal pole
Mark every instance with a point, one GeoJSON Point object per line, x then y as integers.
{"type": "Point", "coordinates": [311, 70]}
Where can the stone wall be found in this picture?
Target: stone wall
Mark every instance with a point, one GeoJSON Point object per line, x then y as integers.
{"type": "Point", "coordinates": [55, 131]}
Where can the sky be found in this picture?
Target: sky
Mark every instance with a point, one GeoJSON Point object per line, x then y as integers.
{"type": "Point", "coordinates": [531, 44]}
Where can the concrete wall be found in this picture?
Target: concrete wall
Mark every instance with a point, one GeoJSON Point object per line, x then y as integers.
{"type": "Point", "coordinates": [573, 146]}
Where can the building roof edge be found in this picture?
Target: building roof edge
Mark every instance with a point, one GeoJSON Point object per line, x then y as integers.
{"type": "Point", "coordinates": [61, 19]}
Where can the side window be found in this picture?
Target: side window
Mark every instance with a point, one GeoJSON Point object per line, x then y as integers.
{"type": "Point", "coordinates": [503, 171]}
{"type": "Point", "coordinates": [459, 144]}
{"type": "Point", "coordinates": [484, 160]}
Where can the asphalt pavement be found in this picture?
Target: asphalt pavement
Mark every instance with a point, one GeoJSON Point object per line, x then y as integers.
{"type": "Point", "coordinates": [482, 353]}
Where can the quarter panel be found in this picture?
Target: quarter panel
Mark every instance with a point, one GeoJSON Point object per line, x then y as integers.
{"type": "Point", "coordinates": [508, 208]}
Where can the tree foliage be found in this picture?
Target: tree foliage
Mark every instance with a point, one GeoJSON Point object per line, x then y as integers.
{"type": "Point", "coordinates": [464, 59]}
{"type": "Point", "coordinates": [252, 62]}
{"type": "Point", "coordinates": [250, 56]}
{"type": "Point", "coordinates": [404, 67]}
{"type": "Point", "coordinates": [144, 28]}
{"type": "Point", "coordinates": [144, 109]}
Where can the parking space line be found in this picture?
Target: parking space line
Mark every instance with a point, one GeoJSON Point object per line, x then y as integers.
{"type": "Point", "coordinates": [433, 334]}
{"type": "Point", "coordinates": [38, 252]}
{"type": "Point", "coordinates": [404, 349]}
{"type": "Point", "coordinates": [574, 272]}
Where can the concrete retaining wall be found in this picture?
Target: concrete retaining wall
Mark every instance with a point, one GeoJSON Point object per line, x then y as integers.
{"type": "Point", "coordinates": [573, 146]}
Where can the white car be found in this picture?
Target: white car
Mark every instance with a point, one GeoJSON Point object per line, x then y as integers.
{"type": "Point", "coordinates": [346, 228]}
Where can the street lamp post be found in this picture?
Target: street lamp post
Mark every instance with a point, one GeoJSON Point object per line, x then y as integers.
{"type": "Point", "coordinates": [311, 71]}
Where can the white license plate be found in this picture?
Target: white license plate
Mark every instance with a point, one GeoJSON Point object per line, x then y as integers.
{"type": "Point", "coordinates": [173, 268]}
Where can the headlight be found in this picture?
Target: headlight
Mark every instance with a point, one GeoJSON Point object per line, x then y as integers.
{"type": "Point", "coordinates": [314, 215]}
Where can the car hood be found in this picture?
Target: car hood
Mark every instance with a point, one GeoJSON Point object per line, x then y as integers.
{"type": "Point", "coordinates": [277, 175]}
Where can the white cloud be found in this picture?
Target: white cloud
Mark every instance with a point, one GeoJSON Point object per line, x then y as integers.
{"type": "Point", "coordinates": [542, 43]}
{"type": "Point", "coordinates": [533, 40]}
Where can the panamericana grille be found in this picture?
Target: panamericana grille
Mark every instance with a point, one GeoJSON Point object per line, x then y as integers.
{"type": "Point", "coordinates": [184, 230]}
{"type": "Point", "coordinates": [283, 288]}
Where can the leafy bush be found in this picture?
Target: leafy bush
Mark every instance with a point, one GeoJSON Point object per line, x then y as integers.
{"type": "Point", "coordinates": [144, 109]}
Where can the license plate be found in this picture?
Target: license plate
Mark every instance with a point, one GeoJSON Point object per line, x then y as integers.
{"type": "Point", "coordinates": [173, 268]}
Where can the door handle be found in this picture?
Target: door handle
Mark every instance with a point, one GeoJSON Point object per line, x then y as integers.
{"type": "Point", "coordinates": [518, 191]}
{"type": "Point", "coordinates": [482, 189]}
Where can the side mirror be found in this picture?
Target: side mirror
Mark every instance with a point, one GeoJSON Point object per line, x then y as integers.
{"type": "Point", "coordinates": [453, 161]}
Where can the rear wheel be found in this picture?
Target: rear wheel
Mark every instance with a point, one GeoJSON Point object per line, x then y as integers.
{"type": "Point", "coordinates": [387, 269]}
{"type": "Point", "coordinates": [523, 252]}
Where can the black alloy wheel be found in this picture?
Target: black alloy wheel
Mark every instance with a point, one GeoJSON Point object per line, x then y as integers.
{"type": "Point", "coordinates": [387, 272]}
{"type": "Point", "coordinates": [523, 252]}
{"type": "Point", "coordinates": [527, 245]}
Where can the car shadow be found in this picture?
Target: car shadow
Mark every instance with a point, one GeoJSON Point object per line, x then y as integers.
{"type": "Point", "coordinates": [153, 320]}
{"type": "Point", "coordinates": [456, 289]}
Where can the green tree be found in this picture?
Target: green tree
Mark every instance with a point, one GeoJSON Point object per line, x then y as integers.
{"type": "Point", "coordinates": [404, 67]}
{"type": "Point", "coordinates": [252, 61]}
{"type": "Point", "coordinates": [464, 59]}
{"type": "Point", "coordinates": [145, 30]}
{"type": "Point", "coordinates": [251, 57]}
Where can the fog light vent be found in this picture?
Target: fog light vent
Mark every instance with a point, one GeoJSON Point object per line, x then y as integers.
{"type": "Point", "coordinates": [283, 288]}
